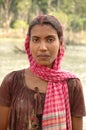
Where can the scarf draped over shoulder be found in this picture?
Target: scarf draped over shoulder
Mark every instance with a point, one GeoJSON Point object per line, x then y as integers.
{"type": "Point", "coordinates": [56, 114]}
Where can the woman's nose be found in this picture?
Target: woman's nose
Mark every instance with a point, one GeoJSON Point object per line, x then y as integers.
{"type": "Point", "coordinates": [43, 46]}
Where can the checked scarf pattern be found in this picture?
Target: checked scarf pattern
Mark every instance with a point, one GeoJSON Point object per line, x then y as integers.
{"type": "Point", "coordinates": [56, 115]}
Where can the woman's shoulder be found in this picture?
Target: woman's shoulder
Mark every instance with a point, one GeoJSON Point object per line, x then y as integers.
{"type": "Point", "coordinates": [15, 72]}
{"type": "Point", "coordinates": [76, 97]}
{"type": "Point", "coordinates": [11, 76]}
{"type": "Point", "coordinates": [74, 83]}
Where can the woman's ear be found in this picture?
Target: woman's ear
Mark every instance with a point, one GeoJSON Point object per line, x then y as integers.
{"type": "Point", "coordinates": [60, 47]}
{"type": "Point", "coordinates": [61, 40]}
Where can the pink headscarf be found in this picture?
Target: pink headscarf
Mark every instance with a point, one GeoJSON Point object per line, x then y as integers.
{"type": "Point", "coordinates": [56, 115]}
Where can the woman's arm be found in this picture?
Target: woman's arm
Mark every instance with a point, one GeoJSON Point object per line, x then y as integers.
{"type": "Point", "coordinates": [4, 112]}
{"type": "Point", "coordinates": [77, 123]}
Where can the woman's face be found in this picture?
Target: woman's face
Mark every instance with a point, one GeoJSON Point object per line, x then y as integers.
{"type": "Point", "coordinates": [44, 44]}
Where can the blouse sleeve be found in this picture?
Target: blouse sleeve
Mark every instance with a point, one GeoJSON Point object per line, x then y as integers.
{"type": "Point", "coordinates": [5, 90]}
{"type": "Point", "coordinates": [76, 97]}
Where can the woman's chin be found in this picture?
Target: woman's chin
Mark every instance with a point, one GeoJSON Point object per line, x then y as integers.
{"type": "Point", "coordinates": [46, 64]}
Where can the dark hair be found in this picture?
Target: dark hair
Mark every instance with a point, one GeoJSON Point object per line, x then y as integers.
{"type": "Point", "coordinates": [47, 19]}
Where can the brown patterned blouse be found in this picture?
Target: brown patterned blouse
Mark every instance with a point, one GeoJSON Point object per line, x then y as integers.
{"type": "Point", "coordinates": [26, 105]}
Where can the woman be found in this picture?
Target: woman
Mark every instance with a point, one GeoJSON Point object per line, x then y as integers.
{"type": "Point", "coordinates": [42, 97]}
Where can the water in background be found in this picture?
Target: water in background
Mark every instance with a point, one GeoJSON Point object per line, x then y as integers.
{"type": "Point", "coordinates": [12, 59]}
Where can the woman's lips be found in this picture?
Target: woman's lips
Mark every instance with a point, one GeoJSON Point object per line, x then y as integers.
{"type": "Point", "coordinates": [43, 56]}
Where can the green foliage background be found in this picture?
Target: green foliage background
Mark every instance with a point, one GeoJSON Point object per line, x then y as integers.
{"type": "Point", "coordinates": [19, 13]}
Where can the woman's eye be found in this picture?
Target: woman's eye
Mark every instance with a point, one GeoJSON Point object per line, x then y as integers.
{"type": "Point", "coordinates": [50, 40]}
{"type": "Point", "coordinates": [35, 40]}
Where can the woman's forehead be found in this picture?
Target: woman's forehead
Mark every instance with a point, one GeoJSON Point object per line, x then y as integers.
{"type": "Point", "coordinates": [48, 20]}
{"type": "Point", "coordinates": [43, 29]}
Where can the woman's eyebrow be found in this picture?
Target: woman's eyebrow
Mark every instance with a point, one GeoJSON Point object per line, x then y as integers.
{"type": "Point", "coordinates": [35, 36]}
{"type": "Point", "coordinates": [51, 36]}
